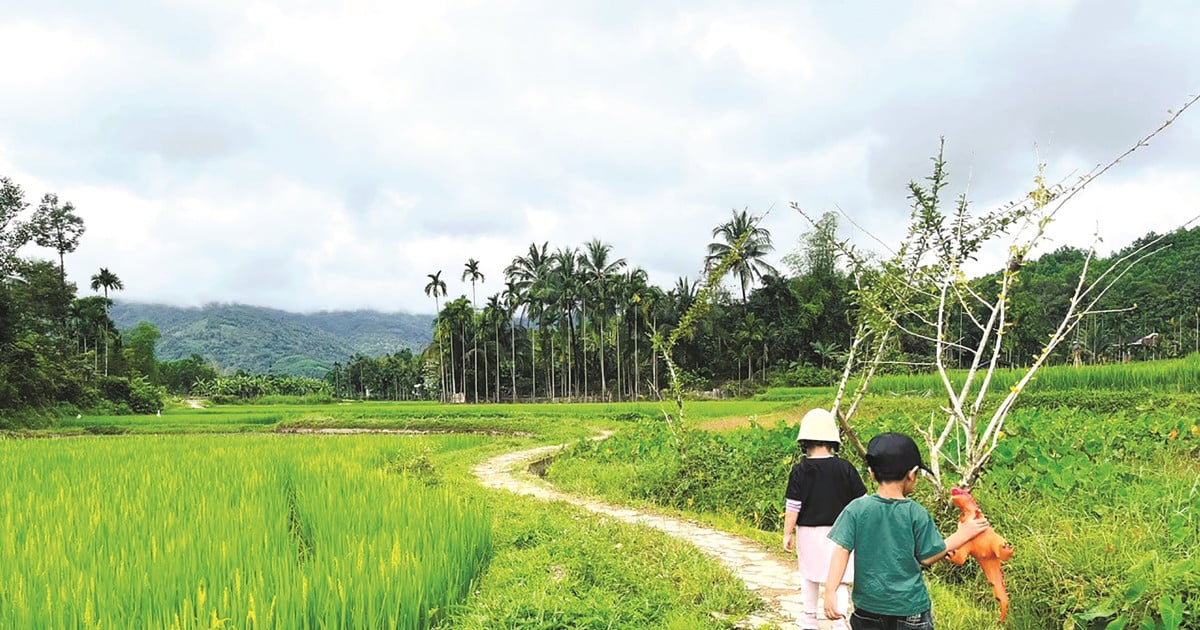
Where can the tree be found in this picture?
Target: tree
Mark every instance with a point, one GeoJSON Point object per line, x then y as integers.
{"type": "Point", "coordinates": [749, 256]}
{"type": "Point", "coordinates": [472, 273]}
{"type": "Point", "coordinates": [57, 227]}
{"type": "Point", "coordinates": [527, 273]}
{"type": "Point", "coordinates": [139, 345]}
{"type": "Point", "coordinates": [818, 255]}
{"type": "Point", "coordinates": [598, 271]}
{"type": "Point", "coordinates": [512, 299]}
{"type": "Point", "coordinates": [12, 233]}
{"type": "Point", "coordinates": [437, 288]}
{"type": "Point", "coordinates": [106, 280]}
{"type": "Point", "coordinates": [913, 294]}
{"type": "Point", "coordinates": [494, 313]}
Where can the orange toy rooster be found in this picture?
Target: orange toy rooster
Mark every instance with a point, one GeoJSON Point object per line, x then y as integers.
{"type": "Point", "coordinates": [988, 548]}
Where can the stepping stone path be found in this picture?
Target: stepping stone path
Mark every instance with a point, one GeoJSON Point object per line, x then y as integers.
{"type": "Point", "coordinates": [770, 577]}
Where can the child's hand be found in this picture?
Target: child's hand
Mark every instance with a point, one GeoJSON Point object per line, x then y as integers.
{"type": "Point", "coordinates": [787, 540]}
{"type": "Point", "coordinates": [972, 527]}
{"type": "Point", "coordinates": [831, 609]}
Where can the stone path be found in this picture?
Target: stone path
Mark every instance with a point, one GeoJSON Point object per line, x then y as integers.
{"type": "Point", "coordinates": [770, 577]}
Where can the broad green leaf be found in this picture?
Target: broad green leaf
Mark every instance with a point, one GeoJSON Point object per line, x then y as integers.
{"type": "Point", "coordinates": [1135, 590]}
{"type": "Point", "coordinates": [1117, 624]}
{"type": "Point", "coordinates": [1170, 608]}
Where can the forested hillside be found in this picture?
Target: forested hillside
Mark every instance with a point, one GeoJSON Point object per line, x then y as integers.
{"type": "Point", "coordinates": [263, 340]}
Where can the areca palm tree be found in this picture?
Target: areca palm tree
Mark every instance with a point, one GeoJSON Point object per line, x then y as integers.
{"type": "Point", "coordinates": [437, 288]}
{"type": "Point", "coordinates": [630, 289]}
{"type": "Point", "coordinates": [494, 312]}
{"type": "Point", "coordinates": [471, 272]}
{"type": "Point", "coordinates": [512, 299]}
{"type": "Point", "coordinates": [106, 280]}
{"type": "Point", "coordinates": [742, 237]}
{"type": "Point", "coordinates": [598, 271]}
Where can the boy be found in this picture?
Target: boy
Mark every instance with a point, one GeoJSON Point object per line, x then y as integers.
{"type": "Point", "coordinates": [892, 539]}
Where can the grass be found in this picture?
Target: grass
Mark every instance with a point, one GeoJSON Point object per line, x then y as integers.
{"type": "Point", "coordinates": [551, 565]}
{"type": "Point", "coordinates": [1098, 489]}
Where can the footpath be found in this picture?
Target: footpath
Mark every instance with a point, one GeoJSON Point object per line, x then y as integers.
{"type": "Point", "coordinates": [772, 578]}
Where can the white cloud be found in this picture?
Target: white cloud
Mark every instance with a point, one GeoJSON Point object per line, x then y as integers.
{"type": "Point", "coordinates": [330, 155]}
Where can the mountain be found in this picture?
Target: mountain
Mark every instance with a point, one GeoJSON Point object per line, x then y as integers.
{"type": "Point", "coordinates": [264, 340]}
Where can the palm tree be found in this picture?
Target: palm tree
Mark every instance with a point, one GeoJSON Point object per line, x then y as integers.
{"type": "Point", "coordinates": [512, 298]}
{"type": "Point", "coordinates": [472, 272]}
{"type": "Point", "coordinates": [631, 289]}
{"type": "Point", "coordinates": [743, 238]}
{"type": "Point", "coordinates": [106, 280]}
{"type": "Point", "coordinates": [527, 273]}
{"type": "Point", "coordinates": [562, 292]}
{"type": "Point", "coordinates": [494, 312]}
{"type": "Point", "coordinates": [458, 314]}
{"type": "Point", "coordinates": [437, 288]}
{"type": "Point", "coordinates": [599, 271]}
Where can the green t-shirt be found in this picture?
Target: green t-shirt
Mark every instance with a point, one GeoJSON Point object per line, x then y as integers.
{"type": "Point", "coordinates": [889, 537]}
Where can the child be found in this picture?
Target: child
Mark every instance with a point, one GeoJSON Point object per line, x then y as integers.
{"type": "Point", "coordinates": [892, 539]}
{"type": "Point", "coordinates": [818, 488]}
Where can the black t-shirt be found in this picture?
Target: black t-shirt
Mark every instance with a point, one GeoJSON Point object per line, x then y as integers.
{"type": "Point", "coordinates": [823, 486]}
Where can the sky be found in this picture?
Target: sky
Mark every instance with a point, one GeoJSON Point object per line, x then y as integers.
{"type": "Point", "coordinates": [330, 155]}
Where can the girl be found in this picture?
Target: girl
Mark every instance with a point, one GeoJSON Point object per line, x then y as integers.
{"type": "Point", "coordinates": [819, 487]}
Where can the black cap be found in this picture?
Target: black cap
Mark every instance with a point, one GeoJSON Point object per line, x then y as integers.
{"type": "Point", "coordinates": [894, 453]}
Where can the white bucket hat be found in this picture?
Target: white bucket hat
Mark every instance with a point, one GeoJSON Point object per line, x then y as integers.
{"type": "Point", "coordinates": [818, 425]}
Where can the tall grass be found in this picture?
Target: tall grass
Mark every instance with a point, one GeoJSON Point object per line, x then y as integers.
{"type": "Point", "coordinates": [228, 531]}
{"type": "Point", "coordinates": [1171, 375]}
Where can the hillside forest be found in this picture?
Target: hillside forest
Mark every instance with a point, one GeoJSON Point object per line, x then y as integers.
{"type": "Point", "coordinates": [564, 323]}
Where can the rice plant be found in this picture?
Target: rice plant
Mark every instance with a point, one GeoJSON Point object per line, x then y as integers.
{"type": "Point", "coordinates": [229, 531]}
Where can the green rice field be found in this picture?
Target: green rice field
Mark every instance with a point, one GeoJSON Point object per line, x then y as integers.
{"type": "Point", "coordinates": [256, 531]}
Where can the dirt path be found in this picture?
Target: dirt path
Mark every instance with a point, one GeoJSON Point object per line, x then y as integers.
{"type": "Point", "coordinates": [773, 579]}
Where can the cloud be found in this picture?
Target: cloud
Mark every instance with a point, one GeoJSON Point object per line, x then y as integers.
{"type": "Point", "coordinates": [328, 155]}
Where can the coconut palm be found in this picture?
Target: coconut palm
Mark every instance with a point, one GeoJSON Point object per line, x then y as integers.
{"type": "Point", "coordinates": [562, 294]}
{"type": "Point", "coordinates": [743, 238]}
{"type": "Point", "coordinates": [437, 288]}
{"type": "Point", "coordinates": [527, 273]}
{"type": "Point", "coordinates": [471, 272]}
{"type": "Point", "coordinates": [106, 280]}
{"type": "Point", "coordinates": [598, 271]}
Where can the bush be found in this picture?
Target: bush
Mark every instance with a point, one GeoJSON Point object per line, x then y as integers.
{"type": "Point", "coordinates": [144, 397]}
{"type": "Point", "coordinates": [123, 396]}
{"type": "Point", "coordinates": [804, 376]}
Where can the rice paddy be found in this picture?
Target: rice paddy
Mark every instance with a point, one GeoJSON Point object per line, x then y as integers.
{"type": "Point", "coordinates": [232, 531]}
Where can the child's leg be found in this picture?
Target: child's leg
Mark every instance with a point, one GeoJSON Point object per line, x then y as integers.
{"type": "Point", "coordinates": [809, 594]}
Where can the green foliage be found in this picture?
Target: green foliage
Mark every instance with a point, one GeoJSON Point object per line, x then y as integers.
{"type": "Point", "coordinates": [1103, 505]}
{"type": "Point", "coordinates": [243, 387]}
{"type": "Point", "coordinates": [557, 567]}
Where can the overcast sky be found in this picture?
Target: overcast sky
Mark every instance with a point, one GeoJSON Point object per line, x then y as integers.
{"type": "Point", "coordinates": [328, 155]}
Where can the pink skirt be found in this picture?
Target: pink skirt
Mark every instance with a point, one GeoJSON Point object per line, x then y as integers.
{"type": "Point", "coordinates": [813, 551]}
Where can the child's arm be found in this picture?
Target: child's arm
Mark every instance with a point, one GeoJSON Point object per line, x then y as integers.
{"type": "Point", "coordinates": [790, 517]}
{"type": "Point", "coordinates": [792, 507]}
{"type": "Point", "coordinates": [967, 530]}
{"type": "Point", "coordinates": [837, 569]}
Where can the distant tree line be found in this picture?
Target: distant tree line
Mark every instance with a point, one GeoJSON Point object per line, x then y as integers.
{"type": "Point", "coordinates": [569, 323]}
{"type": "Point", "coordinates": [575, 323]}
